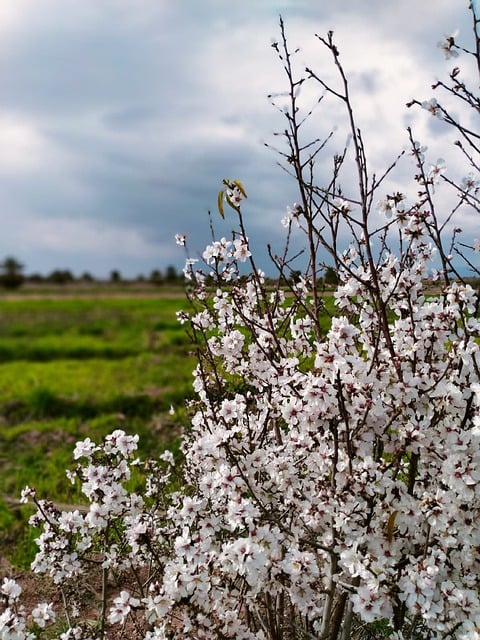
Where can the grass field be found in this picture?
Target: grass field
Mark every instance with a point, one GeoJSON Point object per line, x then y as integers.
{"type": "Point", "coordinates": [72, 367]}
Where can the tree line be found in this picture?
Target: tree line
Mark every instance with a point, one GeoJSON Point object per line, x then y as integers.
{"type": "Point", "coordinates": [12, 276]}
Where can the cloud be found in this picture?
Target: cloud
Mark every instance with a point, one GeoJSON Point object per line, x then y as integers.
{"type": "Point", "coordinates": [125, 115]}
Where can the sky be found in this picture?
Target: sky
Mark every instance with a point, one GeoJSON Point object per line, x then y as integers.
{"type": "Point", "coordinates": [120, 118]}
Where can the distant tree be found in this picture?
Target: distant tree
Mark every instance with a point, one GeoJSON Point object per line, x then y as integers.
{"type": "Point", "coordinates": [156, 277]}
{"type": "Point", "coordinates": [60, 276]}
{"type": "Point", "coordinates": [11, 276]}
{"type": "Point", "coordinates": [87, 277]}
{"type": "Point", "coordinates": [171, 274]}
{"type": "Point", "coordinates": [35, 278]}
{"type": "Point", "coordinates": [115, 276]}
{"type": "Point", "coordinates": [295, 276]}
{"type": "Point", "coordinates": [330, 276]}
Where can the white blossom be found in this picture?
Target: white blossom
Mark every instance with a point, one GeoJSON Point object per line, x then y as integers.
{"type": "Point", "coordinates": [122, 605]}
{"type": "Point", "coordinates": [43, 613]}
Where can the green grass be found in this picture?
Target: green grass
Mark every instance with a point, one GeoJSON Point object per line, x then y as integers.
{"type": "Point", "coordinates": [72, 368]}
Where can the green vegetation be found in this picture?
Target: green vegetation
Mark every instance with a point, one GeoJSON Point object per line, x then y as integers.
{"type": "Point", "coordinates": [77, 367]}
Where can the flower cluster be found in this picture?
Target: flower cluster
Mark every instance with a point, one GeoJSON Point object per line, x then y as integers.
{"type": "Point", "coordinates": [358, 475]}
{"type": "Point", "coordinates": [115, 535]}
{"type": "Point", "coordinates": [14, 623]}
{"type": "Point", "coordinates": [221, 258]}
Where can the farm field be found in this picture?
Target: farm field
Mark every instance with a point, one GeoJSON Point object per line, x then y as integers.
{"type": "Point", "coordinates": [78, 366]}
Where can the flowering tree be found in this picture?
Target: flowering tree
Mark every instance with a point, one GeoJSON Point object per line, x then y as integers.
{"type": "Point", "coordinates": [331, 475]}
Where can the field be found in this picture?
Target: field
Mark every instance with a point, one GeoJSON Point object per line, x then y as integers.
{"type": "Point", "coordinates": [72, 367]}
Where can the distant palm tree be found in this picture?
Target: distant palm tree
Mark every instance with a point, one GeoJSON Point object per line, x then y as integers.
{"type": "Point", "coordinates": [115, 276]}
{"type": "Point", "coordinates": [11, 275]}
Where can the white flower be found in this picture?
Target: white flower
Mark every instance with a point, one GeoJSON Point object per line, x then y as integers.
{"type": "Point", "coordinates": [419, 149]}
{"type": "Point", "coordinates": [72, 633]}
{"type": "Point", "coordinates": [470, 183]}
{"type": "Point", "coordinates": [234, 196]}
{"type": "Point", "coordinates": [27, 493]}
{"type": "Point", "coordinates": [122, 605]}
{"type": "Point", "coordinates": [218, 251]}
{"type": "Point", "coordinates": [84, 449]}
{"type": "Point", "coordinates": [167, 456]}
{"type": "Point", "coordinates": [433, 107]}
{"type": "Point", "coordinates": [182, 316]}
{"type": "Point", "coordinates": [340, 205]}
{"type": "Point", "coordinates": [11, 589]}
{"type": "Point", "coordinates": [120, 442]}
{"type": "Point", "coordinates": [157, 607]}
{"type": "Point", "coordinates": [447, 46]}
{"type": "Point", "coordinates": [353, 561]}
{"type": "Point", "coordinates": [387, 207]}
{"type": "Point", "coordinates": [241, 252]}
{"type": "Point", "coordinates": [293, 215]}
{"type": "Point", "coordinates": [180, 239]}
{"type": "Point", "coordinates": [43, 613]}
{"type": "Point", "coordinates": [436, 170]}
{"type": "Point", "coordinates": [366, 604]}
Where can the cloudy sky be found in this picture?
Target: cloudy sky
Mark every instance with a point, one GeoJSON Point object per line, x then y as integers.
{"type": "Point", "coordinates": [119, 118]}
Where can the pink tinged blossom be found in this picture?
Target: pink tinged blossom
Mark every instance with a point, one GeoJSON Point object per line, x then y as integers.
{"type": "Point", "coordinates": [10, 589]}
{"type": "Point", "coordinates": [122, 605]}
{"type": "Point", "coordinates": [218, 251]}
{"type": "Point", "coordinates": [241, 250]}
{"type": "Point", "coordinates": [298, 563]}
{"type": "Point", "coordinates": [121, 443]}
{"type": "Point", "coordinates": [13, 627]}
{"type": "Point", "coordinates": [437, 170]}
{"type": "Point", "coordinates": [301, 327]}
{"type": "Point", "coordinates": [229, 410]}
{"type": "Point", "coordinates": [157, 607]}
{"type": "Point", "coordinates": [26, 494]}
{"type": "Point", "coordinates": [367, 604]}
{"type": "Point", "coordinates": [432, 107]}
{"type": "Point", "coordinates": [354, 562]}
{"type": "Point", "coordinates": [71, 521]}
{"type": "Point", "coordinates": [246, 558]}
{"type": "Point", "coordinates": [69, 567]}
{"type": "Point", "coordinates": [167, 455]}
{"type": "Point", "coordinates": [97, 516]}
{"type": "Point", "coordinates": [340, 206]}
{"type": "Point", "coordinates": [447, 45]}
{"type": "Point", "coordinates": [43, 614]}
{"type": "Point", "coordinates": [182, 316]}
{"type": "Point", "coordinates": [233, 342]}
{"type": "Point", "coordinates": [470, 183]}
{"type": "Point", "coordinates": [234, 196]}
{"type": "Point", "coordinates": [386, 207]}
{"type": "Point", "coordinates": [84, 449]}
{"type": "Point", "coordinates": [419, 149]}
{"type": "Point", "coordinates": [343, 332]}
